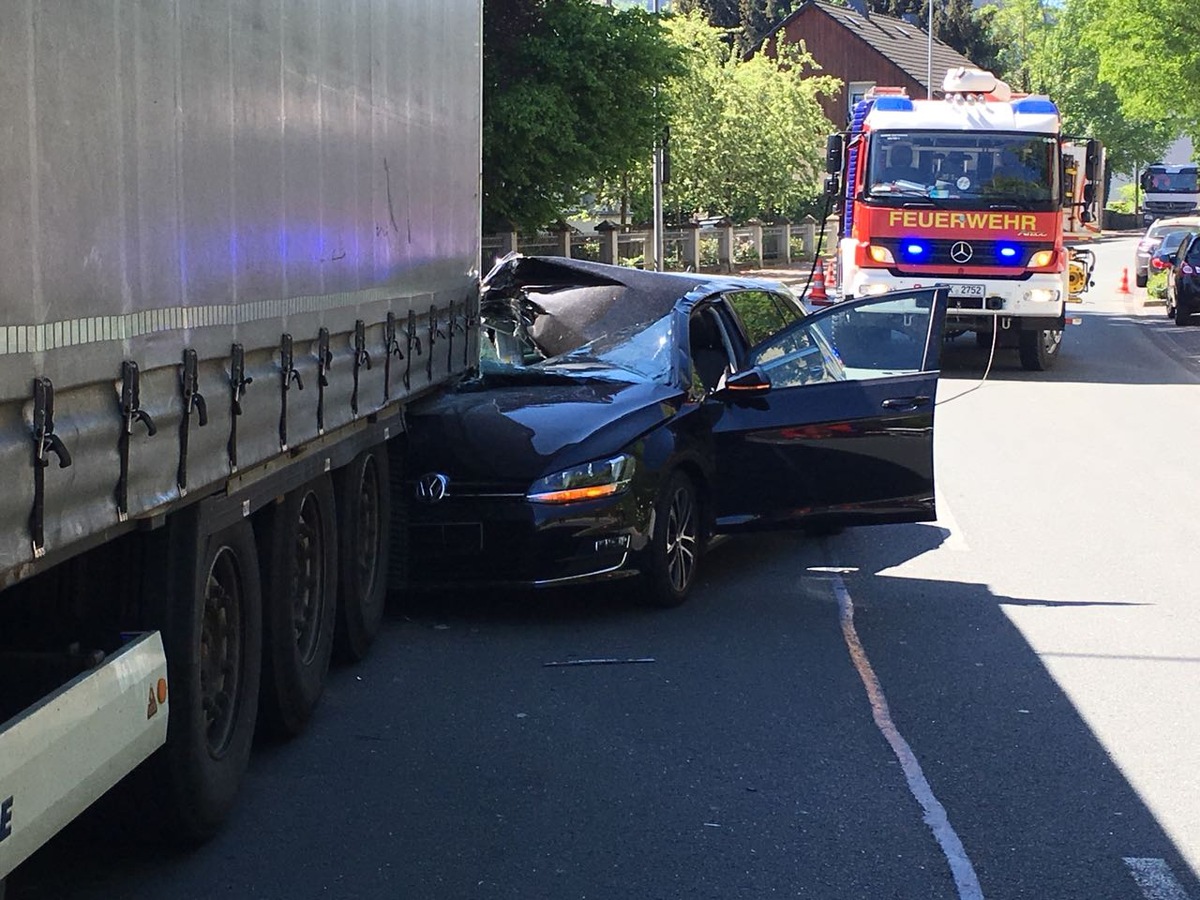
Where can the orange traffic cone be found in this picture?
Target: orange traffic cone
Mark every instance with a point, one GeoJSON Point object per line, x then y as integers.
{"type": "Point", "coordinates": [1124, 288]}
{"type": "Point", "coordinates": [830, 271]}
{"type": "Point", "coordinates": [816, 290]}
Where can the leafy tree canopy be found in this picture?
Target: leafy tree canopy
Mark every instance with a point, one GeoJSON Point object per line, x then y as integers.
{"type": "Point", "coordinates": [570, 94]}
{"type": "Point", "coordinates": [747, 135]}
{"type": "Point", "coordinates": [1148, 51]}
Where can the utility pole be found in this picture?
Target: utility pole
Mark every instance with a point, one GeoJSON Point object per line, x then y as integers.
{"type": "Point", "coordinates": [929, 62]}
{"type": "Point", "coordinates": [656, 228]}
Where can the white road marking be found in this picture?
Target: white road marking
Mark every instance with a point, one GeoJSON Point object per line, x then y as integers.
{"type": "Point", "coordinates": [1155, 878]}
{"type": "Point", "coordinates": [935, 814]}
{"type": "Point", "coordinates": [946, 522]}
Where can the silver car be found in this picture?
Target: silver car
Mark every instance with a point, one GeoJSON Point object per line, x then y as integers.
{"type": "Point", "coordinates": [1153, 237]}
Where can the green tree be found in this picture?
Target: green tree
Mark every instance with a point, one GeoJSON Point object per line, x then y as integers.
{"type": "Point", "coordinates": [1148, 50]}
{"type": "Point", "coordinates": [956, 23]}
{"type": "Point", "coordinates": [1067, 68]}
{"type": "Point", "coordinates": [747, 135]}
{"type": "Point", "coordinates": [570, 94]}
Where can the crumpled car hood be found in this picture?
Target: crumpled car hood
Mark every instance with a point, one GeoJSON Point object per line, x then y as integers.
{"type": "Point", "coordinates": [517, 433]}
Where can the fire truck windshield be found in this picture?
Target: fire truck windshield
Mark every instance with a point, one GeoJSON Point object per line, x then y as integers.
{"type": "Point", "coordinates": [962, 169]}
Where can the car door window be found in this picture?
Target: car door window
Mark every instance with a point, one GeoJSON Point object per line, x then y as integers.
{"type": "Point", "coordinates": [762, 313]}
{"type": "Point", "coordinates": [873, 338]}
{"type": "Point", "coordinates": [1193, 251]}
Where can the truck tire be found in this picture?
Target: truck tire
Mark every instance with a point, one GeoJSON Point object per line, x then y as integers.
{"type": "Point", "coordinates": [1039, 349]}
{"type": "Point", "coordinates": [364, 508]}
{"type": "Point", "coordinates": [214, 654]}
{"type": "Point", "coordinates": [300, 600]}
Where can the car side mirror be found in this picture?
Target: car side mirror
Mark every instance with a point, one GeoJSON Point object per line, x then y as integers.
{"type": "Point", "coordinates": [749, 381]}
{"type": "Point", "coordinates": [833, 185]}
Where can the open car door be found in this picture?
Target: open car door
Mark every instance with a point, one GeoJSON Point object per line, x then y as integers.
{"type": "Point", "coordinates": [830, 421]}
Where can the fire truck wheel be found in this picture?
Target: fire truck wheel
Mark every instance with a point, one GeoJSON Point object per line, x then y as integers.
{"type": "Point", "coordinates": [364, 519]}
{"type": "Point", "coordinates": [1039, 349]}
{"type": "Point", "coordinates": [300, 599]}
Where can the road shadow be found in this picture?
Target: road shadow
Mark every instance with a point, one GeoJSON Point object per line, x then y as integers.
{"type": "Point", "coordinates": [1105, 348]}
{"type": "Point", "coordinates": [733, 756]}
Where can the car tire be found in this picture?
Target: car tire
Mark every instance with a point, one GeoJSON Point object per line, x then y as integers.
{"type": "Point", "coordinates": [1039, 349]}
{"type": "Point", "coordinates": [1182, 314]}
{"type": "Point", "coordinates": [300, 600]}
{"type": "Point", "coordinates": [1142, 279]}
{"type": "Point", "coordinates": [676, 540]}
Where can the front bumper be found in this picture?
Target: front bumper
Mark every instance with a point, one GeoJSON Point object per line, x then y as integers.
{"type": "Point", "coordinates": [1016, 304]}
{"type": "Point", "coordinates": [511, 542]}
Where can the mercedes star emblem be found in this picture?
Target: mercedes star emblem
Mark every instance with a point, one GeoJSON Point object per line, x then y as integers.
{"type": "Point", "coordinates": [431, 488]}
{"type": "Point", "coordinates": [961, 252]}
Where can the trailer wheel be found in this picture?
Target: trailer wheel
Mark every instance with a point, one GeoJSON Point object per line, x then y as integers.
{"type": "Point", "coordinates": [1039, 348]}
{"type": "Point", "coordinates": [364, 506]}
{"type": "Point", "coordinates": [214, 654]}
{"type": "Point", "coordinates": [300, 596]}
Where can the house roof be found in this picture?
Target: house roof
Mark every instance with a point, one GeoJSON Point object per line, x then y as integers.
{"type": "Point", "coordinates": [904, 44]}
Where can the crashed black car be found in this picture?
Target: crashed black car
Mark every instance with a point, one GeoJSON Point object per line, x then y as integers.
{"type": "Point", "coordinates": [620, 418]}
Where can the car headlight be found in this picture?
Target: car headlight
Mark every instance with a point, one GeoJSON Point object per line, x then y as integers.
{"type": "Point", "coordinates": [590, 481]}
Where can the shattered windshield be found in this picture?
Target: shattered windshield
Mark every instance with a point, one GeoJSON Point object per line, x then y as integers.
{"type": "Point", "coordinates": [963, 169]}
{"type": "Point", "coordinates": [510, 345]}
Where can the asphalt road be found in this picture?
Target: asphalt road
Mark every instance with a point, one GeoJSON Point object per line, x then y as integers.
{"type": "Point", "coordinates": [1003, 704]}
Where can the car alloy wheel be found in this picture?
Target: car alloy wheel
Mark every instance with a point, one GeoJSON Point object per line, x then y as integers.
{"type": "Point", "coordinates": [675, 542]}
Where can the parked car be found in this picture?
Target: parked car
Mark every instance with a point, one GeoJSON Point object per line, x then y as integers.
{"type": "Point", "coordinates": [1183, 280]}
{"type": "Point", "coordinates": [620, 418]}
{"type": "Point", "coordinates": [1152, 238]}
{"type": "Point", "coordinates": [1160, 261]}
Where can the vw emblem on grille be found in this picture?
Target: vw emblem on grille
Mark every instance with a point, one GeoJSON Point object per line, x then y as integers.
{"type": "Point", "coordinates": [431, 488]}
{"type": "Point", "coordinates": [961, 252]}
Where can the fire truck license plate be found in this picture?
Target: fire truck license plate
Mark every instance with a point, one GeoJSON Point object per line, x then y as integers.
{"type": "Point", "coordinates": [967, 290]}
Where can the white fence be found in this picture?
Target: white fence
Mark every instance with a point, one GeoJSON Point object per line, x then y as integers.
{"type": "Point", "coordinates": [720, 246]}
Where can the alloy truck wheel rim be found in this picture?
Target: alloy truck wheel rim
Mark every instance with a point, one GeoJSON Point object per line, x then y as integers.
{"type": "Point", "coordinates": [369, 527]}
{"type": "Point", "coordinates": [308, 578]}
{"type": "Point", "coordinates": [682, 534]}
{"type": "Point", "coordinates": [221, 651]}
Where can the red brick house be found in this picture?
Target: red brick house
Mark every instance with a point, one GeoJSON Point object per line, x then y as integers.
{"type": "Point", "coordinates": [863, 49]}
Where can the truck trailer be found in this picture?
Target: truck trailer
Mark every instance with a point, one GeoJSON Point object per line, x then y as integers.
{"type": "Point", "coordinates": [236, 240]}
{"type": "Point", "coordinates": [979, 190]}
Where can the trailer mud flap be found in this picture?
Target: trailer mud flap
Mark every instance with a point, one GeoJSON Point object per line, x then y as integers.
{"type": "Point", "coordinates": [59, 755]}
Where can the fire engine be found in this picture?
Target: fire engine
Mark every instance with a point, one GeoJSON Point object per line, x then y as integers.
{"type": "Point", "coordinates": [978, 190]}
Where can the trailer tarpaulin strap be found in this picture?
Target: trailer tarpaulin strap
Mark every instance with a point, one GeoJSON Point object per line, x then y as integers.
{"type": "Point", "coordinates": [192, 400]}
{"type": "Point", "coordinates": [45, 442]}
{"type": "Point", "coordinates": [288, 374]}
{"type": "Point", "coordinates": [237, 383]}
{"type": "Point", "coordinates": [361, 358]}
{"type": "Point", "coordinates": [131, 413]}
{"type": "Point", "coordinates": [392, 349]}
